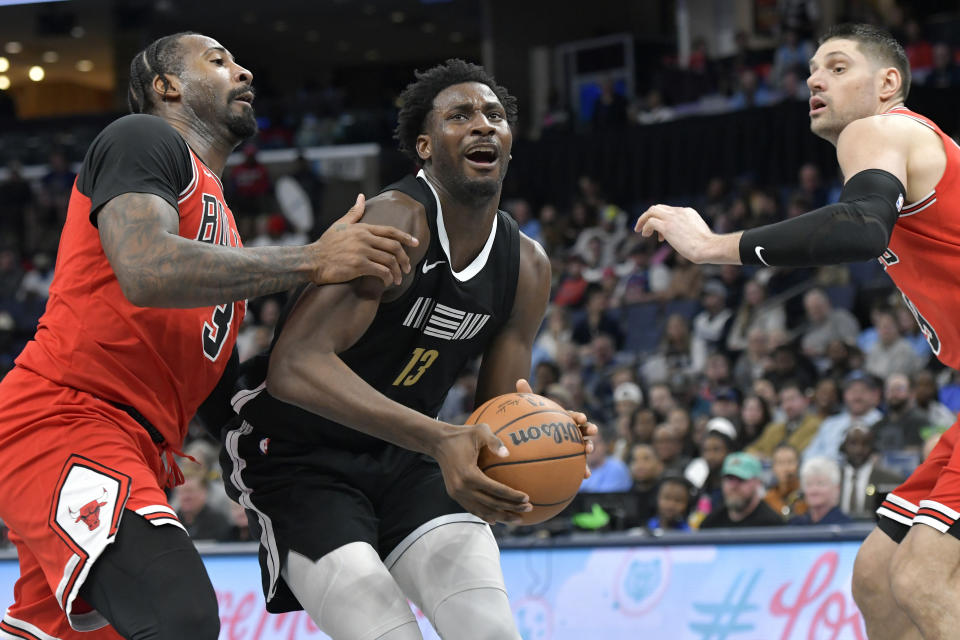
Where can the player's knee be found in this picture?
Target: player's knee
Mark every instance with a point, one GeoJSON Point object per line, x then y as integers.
{"type": "Point", "coordinates": [477, 614]}
{"type": "Point", "coordinates": [871, 577]}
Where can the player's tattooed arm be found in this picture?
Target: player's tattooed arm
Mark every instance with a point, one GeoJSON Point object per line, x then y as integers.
{"type": "Point", "coordinates": [158, 268]}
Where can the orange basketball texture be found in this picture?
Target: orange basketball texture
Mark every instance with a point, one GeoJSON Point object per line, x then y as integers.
{"type": "Point", "coordinates": [547, 456]}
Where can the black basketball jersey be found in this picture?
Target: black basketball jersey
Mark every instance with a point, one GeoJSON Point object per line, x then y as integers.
{"type": "Point", "coordinates": [417, 345]}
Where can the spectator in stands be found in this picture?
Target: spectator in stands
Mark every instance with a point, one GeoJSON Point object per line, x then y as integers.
{"type": "Point", "coordinates": [597, 320]}
{"type": "Point", "coordinates": [785, 496]}
{"type": "Point", "coordinates": [925, 396]}
{"type": "Point", "coordinates": [824, 323]}
{"type": "Point", "coordinates": [890, 353]}
{"type": "Point", "coordinates": [653, 110]}
{"type": "Point", "coordinates": [911, 332]}
{"type": "Point", "coordinates": [754, 361]}
{"type": "Point", "coordinates": [919, 51]}
{"type": "Point", "coordinates": [743, 504]}
{"type": "Point", "coordinates": [16, 203]}
{"type": "Point", "coordinates": [11, 274]}
{"type": "Point", "coordinates": [638, 280]}
{"type": "Point", "coordinates": [902, 425]}
{"type": "Point", "coordinates": [716, 376]}
{"type": "Point", "coordinates": [239, 530]}
{"type": "Point", "coordinates": [820, 481]}
{"type": "Point", "coordinates": [754, 312]}
{"type": "Point", "coordinates": [841, 359]}
{"type": "Point", "coordinates": [826, 398]}
{"type": "Point", "coordinates": [607, 473]}
{"type": "Point", "coordinates": [787, 364]}
{"type": "Point", "coordinates": [686, 278]}
{"type": "Point", "coordinates": [704, 473]}
{"type": "Point", "coordinates": [755, 416]}
{"type": "Point", "coordinates": [610, 107]}
{"type": "Point", "coordinates": [557, 331]}
{"type": "Point", "coordinates": [36, 282]}
{"type": "Point", "coordinates": [55, 187]}
{"type": "Point", "coordinates": [865, 480]}
{"type": "Point", "coordinates": [668, 445]}
{"type": "Point", "coordinates": [545, 373]}
{"type": "Point", "coordinates": [552, 227]}
{"type": "Point", "coordinates": [599, 365]}
{"type": "Point", "coordinates": [860, 400]}
{"type": "Point", "coordinates": [792, 53]}
{"type": "Point", "coordinates": [645, 469]}
{"type": "Point", "coordinates": [944, 73]}
{"type": "Point", "coordinates": [642, 425]}
{"type": "Point", "coordinates": [572, 287]}
{"type": "Point", "coordinates": [710, 326]}
{"type": "Point", "coordinates": [810, 185]}
{"type": "Point", "coordinates": [250, 185]}
{"type": "Point", "coordinates": [750, 92]}
{"type": "Point", "coordinates": [726, 404]}
{"type": "Point", "coordinates": [202, 521]}
{"type": "Point", "coordinates": [797, 429]}
{"type": "Point", "coordinates": [675, 354]}
{"type": "Point", "coordinates": [610, 232]}
{"type": "Point", "coordinates": [520, 211]}
{"type": "Point", "coordinates": [662, 400]}
{"type": "Point", "coordinates": [674, 499]}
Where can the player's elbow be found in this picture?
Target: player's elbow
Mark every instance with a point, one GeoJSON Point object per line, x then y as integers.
{"type": "Point", "coordinates": [281, 378]}
{"type": "Point", "coordinates": [136, 293]}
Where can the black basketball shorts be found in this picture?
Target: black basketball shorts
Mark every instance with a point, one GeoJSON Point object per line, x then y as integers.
{"type": "Point", "coordinates": [313, 499]}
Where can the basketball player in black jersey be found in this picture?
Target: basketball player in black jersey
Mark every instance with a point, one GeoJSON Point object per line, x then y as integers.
{"type": "Point", "coordinates": [363, 498]}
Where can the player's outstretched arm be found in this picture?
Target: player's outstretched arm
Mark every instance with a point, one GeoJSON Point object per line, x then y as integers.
{"type": "Point", "coordinates": [306, 370]}
{"type": "Point", "coordinates": [872, 152]}
{"type": "Point", "coordinates": [158, 268]}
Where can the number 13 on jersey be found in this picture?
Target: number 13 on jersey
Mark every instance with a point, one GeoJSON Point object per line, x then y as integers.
{"type": "Point", "coordinates": [422, 357]}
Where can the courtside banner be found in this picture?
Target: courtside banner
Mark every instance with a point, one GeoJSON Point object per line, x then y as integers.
{"type": "Point", "coordinates": [784, 591]}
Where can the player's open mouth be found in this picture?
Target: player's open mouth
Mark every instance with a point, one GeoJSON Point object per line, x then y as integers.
{"type": "Point", "coordinates": [246, 98]}
{"type": "Point", "coordinates": [482, 155]}
{"type": "Point", "coordinates": [817, 104]}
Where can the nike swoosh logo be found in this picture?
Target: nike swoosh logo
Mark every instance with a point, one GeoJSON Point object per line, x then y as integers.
{"type": "Point", "coordinates": [427, 267]}
{"type": "Point", "coordinates": [757, 250]}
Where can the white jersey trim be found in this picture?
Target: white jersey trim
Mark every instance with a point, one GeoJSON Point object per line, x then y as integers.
{"type": "Point", "coordinates": [24, 626]}
{"type": "Point", "coordinates": [480, 261]}
{"type": "Point", "coordinates": [190, 188]}
{"type": "Point", "coordinates": [267, 538]}
{"type": "Point", "coordinates": [242, 397]}
{"type": "Point", "coordinates": [429, 525]}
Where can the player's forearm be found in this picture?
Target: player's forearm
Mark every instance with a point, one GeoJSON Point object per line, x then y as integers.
{"type": "Point", "coordinates": [329, 388]}
{"type": "Point", "coordinates": [722, 249]}
{"type": "Point", "coordinates": [183, 273]}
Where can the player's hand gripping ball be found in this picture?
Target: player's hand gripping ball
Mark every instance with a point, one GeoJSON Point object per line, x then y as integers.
{"type": "Point", "coordinates": [547, 452]}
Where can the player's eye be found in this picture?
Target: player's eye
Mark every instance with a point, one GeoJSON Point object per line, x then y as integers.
{"type": "Point", "coordinates": [458, 116]}
{"type": "Point", "coordinates": [218, 61]}
{"type": "Point", "coordinates": [839, 68]}
{"type": "Point", "coordinates": [495, 115]}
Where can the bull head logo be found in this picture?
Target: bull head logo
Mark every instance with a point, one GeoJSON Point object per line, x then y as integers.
{"type": "Point", "coordinates": [90, 512]}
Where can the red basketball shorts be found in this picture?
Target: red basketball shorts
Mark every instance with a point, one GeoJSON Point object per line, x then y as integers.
{"type": "Point", "coordinates": [71, 465]}
{"type": "Point", "coordinates": [931, 495]}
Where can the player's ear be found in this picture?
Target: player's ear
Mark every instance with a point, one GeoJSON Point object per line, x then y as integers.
{"type": "Point", "coordinates": [890, 82]}
{"type": "Point", "coordinates": [424, 147]}
{"type": "Point", "coordinates": [166, 86]}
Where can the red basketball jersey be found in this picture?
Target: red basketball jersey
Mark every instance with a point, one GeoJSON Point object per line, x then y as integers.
{"type": "Point", "coordinates": [163, 362]}
{"type": "Point", "coordinates": [923, 257]}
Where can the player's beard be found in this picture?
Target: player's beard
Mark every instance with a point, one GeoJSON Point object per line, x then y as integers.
{"type": "Point", "coordinates": [241, 125]}
{"type": "Point", "coordinates": [470, 191]}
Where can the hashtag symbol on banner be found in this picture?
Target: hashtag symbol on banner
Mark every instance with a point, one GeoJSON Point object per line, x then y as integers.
{"type": "Point", "coordinates": [724, 616]}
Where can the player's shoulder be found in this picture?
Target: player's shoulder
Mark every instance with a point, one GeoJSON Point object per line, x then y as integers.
{"type": "Point", "coordinates": [139, 128]}
{"type": "Point", "coordinates": [533, 258]}
{"type": "Point", "coordinates": [397, 209]}
{"type": "Point", "coordinates": [883, 128]}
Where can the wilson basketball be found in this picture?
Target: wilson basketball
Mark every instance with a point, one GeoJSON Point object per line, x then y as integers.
{"type": "Point", "coordinates": [547, 455]}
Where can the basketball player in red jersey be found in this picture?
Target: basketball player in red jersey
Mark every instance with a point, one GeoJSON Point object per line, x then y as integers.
{"type": "Point", "coordinates": [149, 292]}
{"type": "Point", "coordinates": [899, 204]}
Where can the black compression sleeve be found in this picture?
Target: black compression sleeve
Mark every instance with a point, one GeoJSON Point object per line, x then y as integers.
{"type": "Point", "coordinates": [855, 229]}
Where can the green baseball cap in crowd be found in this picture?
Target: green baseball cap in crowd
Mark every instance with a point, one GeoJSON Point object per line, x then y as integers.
{"type": "Point", "coordinates": [742, 465]}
